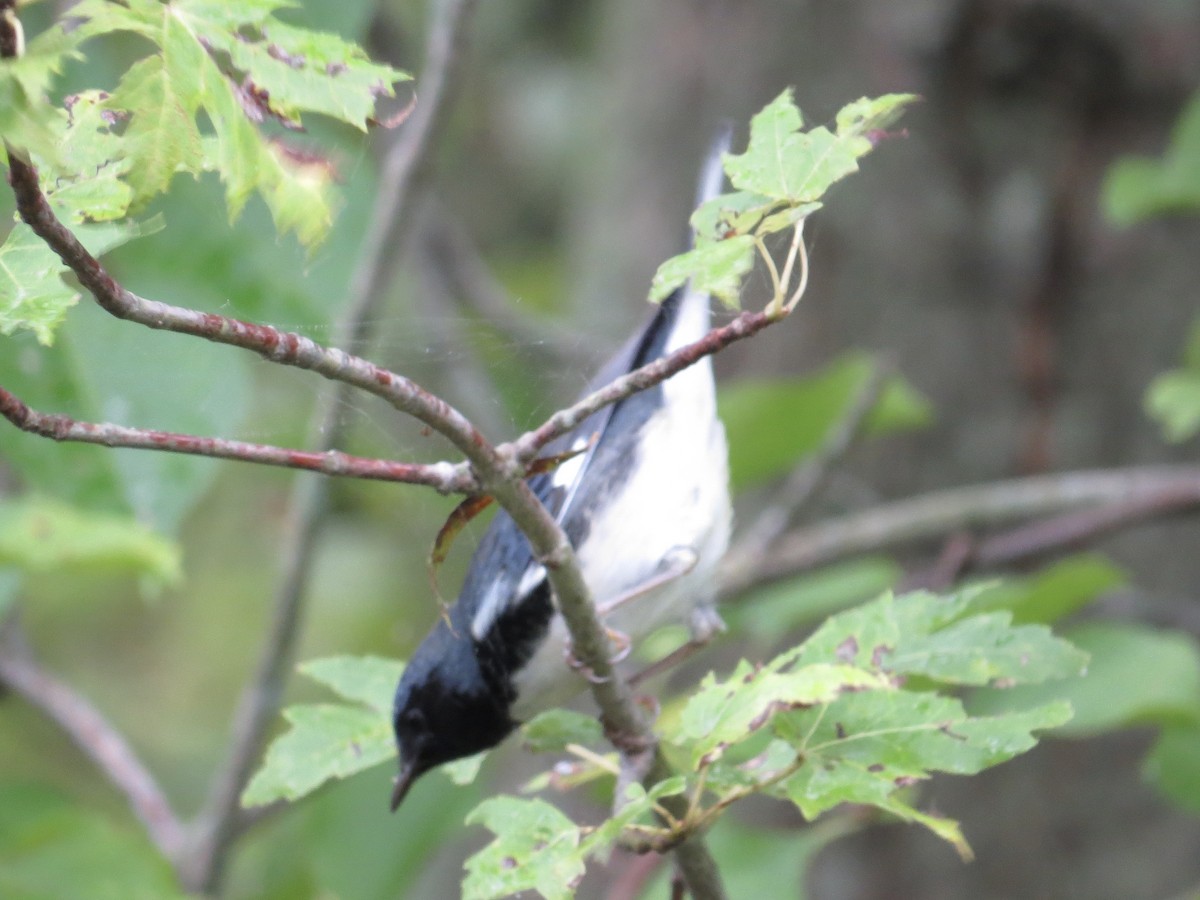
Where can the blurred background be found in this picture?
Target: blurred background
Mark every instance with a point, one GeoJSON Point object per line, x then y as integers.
{"type": "Point", "coordinates": [989, 257]}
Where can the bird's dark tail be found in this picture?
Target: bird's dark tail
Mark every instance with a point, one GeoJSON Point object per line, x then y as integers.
{"type": "Point", "coordinates": [685, 315]}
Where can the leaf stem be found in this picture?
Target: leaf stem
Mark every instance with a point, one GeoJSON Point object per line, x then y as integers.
{"type": "Point", "coordinates": [798, 243]}
{"type": "Point", "coordinates": [777, 286]}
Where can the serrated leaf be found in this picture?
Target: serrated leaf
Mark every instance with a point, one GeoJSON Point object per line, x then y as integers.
{"type": "Point", "coordinates": [370, 680]}
{"type": "Point", "coordinates": [987, 648]}
{"type": "Point", "coordinates": [88, 184]}
{"type": "Point", "coordinates": [872, 114]}
{"type": "Point", "coordinates": [786, 164]}
{"type": "Point", "coordinates": [162, 95]}
{"type": "Point", "coordinates": [729, 214]}
{"type": "Point", "coordinates": [723, 713]}
{"type": "Point", "coordinates": [552, 730]}
{"type": "Point", "coordinates": [536, 848]}
{"type": "Point", "coordinates": [23, 118]}
{"type": "Point", "coordinates": [865, 747]}
{"type": "Point", "coordinates": [1136, 675]}
{"type": "Point", "coordinates": [867, 635]}
{"type": "Point", "coordinates": [33, 294]}
{"type": "Point", "coordinates": [715, 269]}
{"type": "Point", "coordinates": [780, 180]}
{"type": "Point", "coordinates": [298, 70]}
{"type": "Point", "coordinates": [236, 64]}
{"type": "Point", "coordinates": [328, 741]}
{"type": "Point", "coordinates": [38, 534]}
{"type": "Point", "coordinates": [325, 741]}
{"type": "Point", "coordinates": [24, 110]}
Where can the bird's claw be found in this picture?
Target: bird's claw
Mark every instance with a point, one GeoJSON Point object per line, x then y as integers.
{"type": "Point", "coordinates": [624, 645]}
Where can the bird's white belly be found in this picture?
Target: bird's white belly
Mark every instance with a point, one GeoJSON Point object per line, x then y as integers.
{"type": "Point", "coordinates": [677, 498]}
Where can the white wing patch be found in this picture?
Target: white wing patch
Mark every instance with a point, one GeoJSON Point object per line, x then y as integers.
{"type": "Point", "coordinates": [496, 601]}
{"type": "Point", "coordinates": [489, 609]}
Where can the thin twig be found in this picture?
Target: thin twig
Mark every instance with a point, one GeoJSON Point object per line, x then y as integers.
{"type": "Point", "coordinates": [933, 515]}
{"type": "Point", "coordinates": [473, 285]}
{"type": "Point", "coordinates": [221, 819]}
{"type": "Point", "coordinates": [499, 473]}
{"type": "Point", "coordinates": [808, 479]}
{"type": "Point", "coordinates": [444, 477]}
{"type": "Point", "coordinates": [498, 470]}
{"type": "Point", "coordinates": [1079, 528]}
{"type": "Point", "coordinates": [275, 346]}
{"type": "Point", "coordinates": [745, 324]}
{"type": "Point", "coordinates": [97, 738]}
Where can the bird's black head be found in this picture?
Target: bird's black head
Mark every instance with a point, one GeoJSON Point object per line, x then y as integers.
{"type": "Point", "coordinates": [445, 708]}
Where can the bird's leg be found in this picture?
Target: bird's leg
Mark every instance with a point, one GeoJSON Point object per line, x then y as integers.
{"type": "Point", "coordinates": [623, 642]}
{"type": "Point", "coordinates": [706, 624]}
{"type": "Point", "coordinates": [677, 563]}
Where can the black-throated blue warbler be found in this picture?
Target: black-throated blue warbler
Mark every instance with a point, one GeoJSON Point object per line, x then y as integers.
{"type": "Point", "coordinates": [645, 503]}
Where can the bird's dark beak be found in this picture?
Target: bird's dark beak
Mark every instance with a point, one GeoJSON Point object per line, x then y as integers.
{"type": "Point", "coordinates": [408, 774]}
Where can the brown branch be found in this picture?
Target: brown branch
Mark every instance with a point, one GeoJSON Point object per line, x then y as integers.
{"type": "Point", "coordinates": [745, 324]}
{"type": "Point", "coordinates": [808, 479]}
{"type": "Point", "coordinates": [275, 346]}
{"type": "Point", "coordinates": [222, 819]}
{"type": "Point", "coordinates": [445, 477]}
{"type": "Point", "coordinates": [1150, 490]}
{"type": "Point", "coordinates": [498, 470]}
{"type": "Point", "coordinates": [97, 738]}
{"type": "Point", "coordinates": [1077, 528]}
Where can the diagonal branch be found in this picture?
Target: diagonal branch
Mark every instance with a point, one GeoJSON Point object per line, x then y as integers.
{"type": "Point", "coordinates": [445, 477]}
{"type": "Point", "coordinates": [807, 480]}
{"type": "Point", "coordinates": [745, 324]}
{"type": "Point", "coordinates": [1148, 490]}
{"type": "Point", "coordinates": [222, 818]}
{"type": "Point", "coordinates": [96, 737]}
{"type": "Point", "coordinates": [275, 346]}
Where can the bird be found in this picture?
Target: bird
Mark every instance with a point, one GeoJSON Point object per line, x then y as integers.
{"type": "Point", "coordinates": [643, 497]}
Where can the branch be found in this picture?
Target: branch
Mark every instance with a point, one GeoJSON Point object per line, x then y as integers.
{"type": "Point", "coordinates": [808, 479]}
{"type": "Point", "coordinates": [1076, 528]}
{"type": "Point", "coordinates": [222, 818]}
{"type": "Point", "coordinates": [445, 477]}
{"type": "Point", "coordinates": [499, 471]}
{"type": "Point", "coordinates": [745, 324]}
{"type": "Point", "coordinates": [275, 346]}
{"type": "Point", "coordinates": [1149, 489]}
{"type": "Point", "coordinates": [97, 738]}
{"type": "Point", "coordinates": [472, 285]}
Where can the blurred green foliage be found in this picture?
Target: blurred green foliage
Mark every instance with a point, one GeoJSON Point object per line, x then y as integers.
{"type": "Point", "coordinates": [168, 674]}
{"type": "Point", "coordinates": [1140, 188]}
